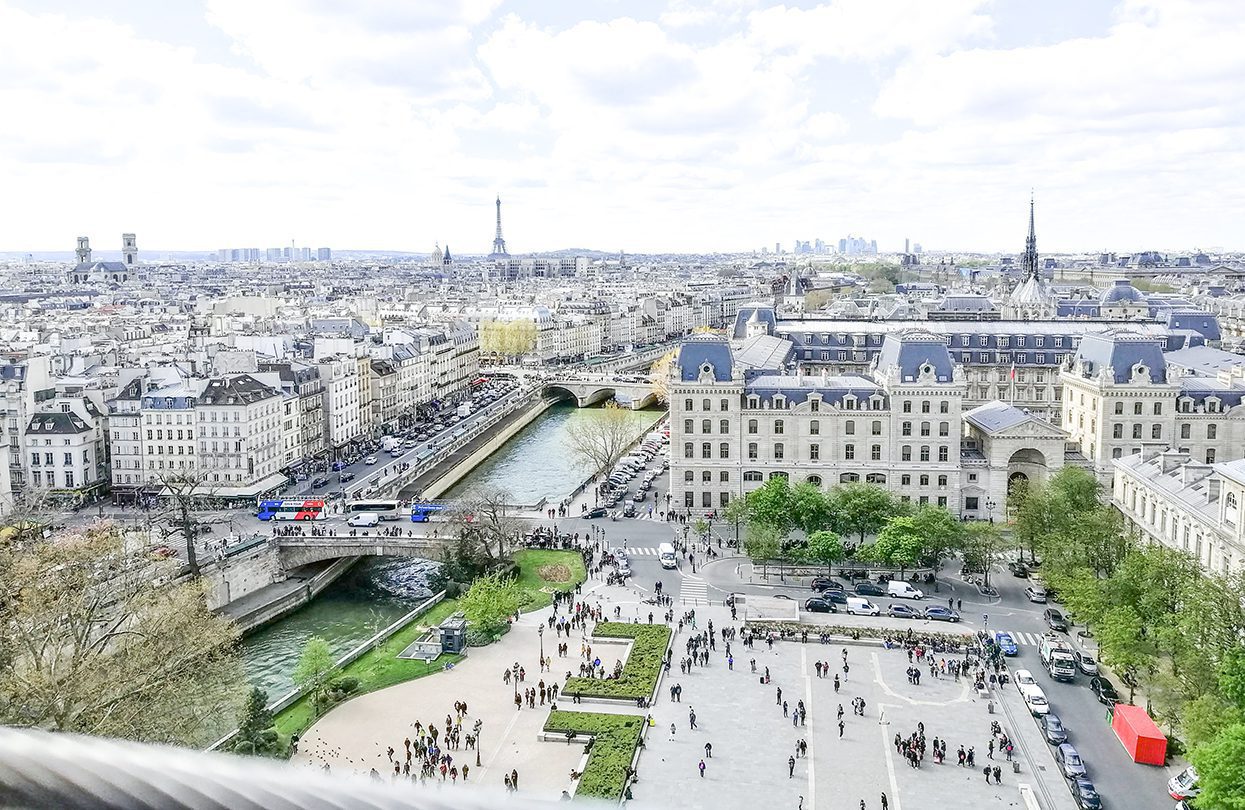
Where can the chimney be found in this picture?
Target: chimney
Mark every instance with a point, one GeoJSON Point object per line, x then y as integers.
{"type": "Point", "coordinates": [1192, 472]}
{"type": "Point", "coordinates": [1149, 450]}
{"type": "Point", "coordinates": [1172, 459]}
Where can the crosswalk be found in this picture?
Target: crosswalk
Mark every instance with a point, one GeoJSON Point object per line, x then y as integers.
{"type": "Point", "coordinates": [1025, 639]}
{"type": "Point", "coordinates": [693, 587]}
{"type": "Point", "coordinates": [641, 551]}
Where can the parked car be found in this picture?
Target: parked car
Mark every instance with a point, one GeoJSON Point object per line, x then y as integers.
{"type": "Point", "coordinates": [345, 476]}
{"type": "Point", "coordinates": [1035, 594]}
{"type": "Point", "coordinates": [837, 597]}
{"type": "Point", "coordinates": [370, 460]}
{"type": "Point", "coordinates": [902, 612]}
{"type": "Point", "coordinates": [938, 613]}
{"type": "Point", "coordinates": [904, 590]}
{"type": "Point", "coordinates": [859, 606]}
{"type": "Point", "coordinates": [1023, 678]}
{"type": "Point", "coordinates": [1005, 642]}
{"type": "Point", "coordinates": [1018, 569]}
{"type": "Point", "coordinates": [1070, 762]}
{"type": "Point", "coordinates": [1053, 729]}
{"type": "Point", "coordinates": [1104, 690]}
{"type": "Point", "coordinates": [1036, 700]}
{"type": "Point", "coordinates": [826, 583]}
{"type": "Point", "coordinates": [319, 482]}
{"type": "Point", "coordinates": [1055, 620]}
{"type": "Point", "coordinates": [870, 589]}
{"type": "Point", "coordinates": [818, 605]}
{"type": "Point", "coordinates": [598, 512]}
{"type": "Point", "coordinates": [1086, 663]}
{"type": "Point", "coordinates": [1085, 794]}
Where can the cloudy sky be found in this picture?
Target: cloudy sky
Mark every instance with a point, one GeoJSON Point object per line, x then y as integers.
{"type": "Point", "coordinates": [644, 125]}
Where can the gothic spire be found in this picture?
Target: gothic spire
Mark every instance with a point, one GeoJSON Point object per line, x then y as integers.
{"type": "Point", "coordinates": [1029, 262]}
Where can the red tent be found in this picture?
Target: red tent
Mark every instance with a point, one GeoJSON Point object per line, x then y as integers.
{"type": "Point", "coordinates": [1141, 737]}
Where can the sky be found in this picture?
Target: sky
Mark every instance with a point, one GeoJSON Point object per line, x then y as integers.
{"type": "Point", "coordinates": [637, 125]}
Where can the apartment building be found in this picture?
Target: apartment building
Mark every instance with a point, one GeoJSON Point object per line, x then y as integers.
{"type": "Point", "coordinates": [240, 434]}
{"type": "Point", "coordinates": [342, 419]}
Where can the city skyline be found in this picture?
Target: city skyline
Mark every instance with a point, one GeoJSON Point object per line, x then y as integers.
{"type": "Point", "coordinates": [682, 128]}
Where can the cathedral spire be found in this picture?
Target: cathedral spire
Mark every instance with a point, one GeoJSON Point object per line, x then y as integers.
{"type": "Point", "coordinates": [1029, 262]}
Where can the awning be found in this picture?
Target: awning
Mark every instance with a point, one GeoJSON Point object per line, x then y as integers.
{"type": "Point", "coordinates": [207, 490]}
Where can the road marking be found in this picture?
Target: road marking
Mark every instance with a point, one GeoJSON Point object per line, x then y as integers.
{"type": "Point", "coordinates": [886, 746]}
{"type": "Point", "coordinates": [877, 668]}
{"type": "Point", "coordinates": [809, 756]}
{"type": "Point", "coordinates": [693, 587]}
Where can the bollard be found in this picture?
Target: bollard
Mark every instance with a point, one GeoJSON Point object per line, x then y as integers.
{"type": "Point", "coordinates": [1015, 766]}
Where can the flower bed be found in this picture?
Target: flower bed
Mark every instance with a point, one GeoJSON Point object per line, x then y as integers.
{"type": "Point", "coordinates": [614, 740]}
{"type": "Point", "coordinates": [639, 674]}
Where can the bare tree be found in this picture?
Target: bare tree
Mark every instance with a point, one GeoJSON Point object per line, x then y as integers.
{"type": "Point", "coordinates": [182, 491]}
{"type": "Point", "coordinates": [487, 516]}
{"type": "Point", "coordinates": [659, 376]}
{"type": "Point", "coordinates": [97, 641]}
{"type": "Point", "coordinates": [598, 443]}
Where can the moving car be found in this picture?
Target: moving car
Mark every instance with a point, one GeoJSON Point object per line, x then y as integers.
{"type": "Point", "coordinates": [1053, 729]}
{"type": "Point", "coordinates": [1086, 663]}
{"type": "Point", "coordinates": [363, 519]}
{"type": "Point", "coordinates": [345, 476]}
{"type": "Point", "coordinates": [869, 589]}
{"type": "Point", "coordinates": [902, 612]}
{"type": "Point", "coordinates": [858, 606]}
{"type": "Point", "coordinates": [1007, 644]}
{"type": "Point", "coordinates": [1183, 785]}
{"type": "Point", "coordinates": [598, 512]}
{"type": "Point", "coordinates": [818, 605]}
{"type": "Point", "coordinates": [826, 583]}
{"type": "Point", "coordinates": [1070, 761]}
{"type": "Point", "coordinates": [1104, 691]}
{"type": "Point", "coordinates": [629, 509]}
{"type": "Point", "coordinates": [904, 590]}
{"type": "Point", "coordinates": [1055, 620]}
{"type": "Point", "coordinates": [837, 597]}
{"type": "Point", "coordinates": [1035, 593]}
{"type": "Point", "coordinates": [1085, 794]}
{"type": "Point", "coordinates": [370, 460]}
{"type": "Point", "coordinates": [1036, 700]}
{"type": "Point", "coordinates": [319, 482]}
{"type": "Point", "coordinates": [665, 553]}
{"type": "Point", "coordinates": [1018, 569]}
{"type": "Point", "coordinates": [938, 613]}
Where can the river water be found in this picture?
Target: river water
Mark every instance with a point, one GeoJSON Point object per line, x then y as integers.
{"type": "Point", "coordinates": [535, 464]}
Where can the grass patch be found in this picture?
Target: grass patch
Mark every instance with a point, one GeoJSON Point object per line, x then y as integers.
{"type": "Point", "coordinates": [614, 740]}
{"type": "Point", "coordinates": [541, 572]}
{"type": "Point", "coordinates": [639, 673]}
{"type": "Point", "coordinates": [376, 669]}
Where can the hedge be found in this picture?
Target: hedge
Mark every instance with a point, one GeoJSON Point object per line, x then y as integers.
{"type": "Point", "coordinates": [865, 631]}
{"type": "Point", "coordinates": [639, 673]}
{"type": "Point", "coordinates": [614, 740]}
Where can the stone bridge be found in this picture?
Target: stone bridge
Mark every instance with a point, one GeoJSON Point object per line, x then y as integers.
{"type": "Point", "coordinates": [296, 551]}
{"type": "Point", "coordinates": [589, 389]}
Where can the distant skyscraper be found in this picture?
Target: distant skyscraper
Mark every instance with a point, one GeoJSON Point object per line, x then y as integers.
{"type": "Point", "coordinates": [324, 255]}
{"type": "Point", "coordinates": [499, 244]}
{"type": "Point", "coordinates": [778, 248]}
{"type": "Point", "coordinates": [905, 246]}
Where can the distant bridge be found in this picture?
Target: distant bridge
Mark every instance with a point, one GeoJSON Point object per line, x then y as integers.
{"type": "Point", "coordinates": [296, 551]}
{"type": "Point", "coordinates": [589, 389]}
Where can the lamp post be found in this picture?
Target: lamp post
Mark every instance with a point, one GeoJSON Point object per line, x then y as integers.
{"type": "Point", "coordinates": [540, 631]}
{"type": "Point", "coordinates": [990, 504]}
{"type": "Point", "coordinates": [479, 725]}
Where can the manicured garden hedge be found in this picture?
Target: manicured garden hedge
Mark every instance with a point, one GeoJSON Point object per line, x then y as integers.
{"type": "Point", "coordinates": [614, 739]}
{"type": "Point", "coordinates": [863, 631]}
{"type": "Point", "coordinates": [639, 672]}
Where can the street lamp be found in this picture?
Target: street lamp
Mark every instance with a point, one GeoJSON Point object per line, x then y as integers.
{"type": "Point", "coordinates": [540, 631]}
{"type": "Point", "coordinates": [990, 504]}
{"type": "Point", "coordinates": [479, 725]}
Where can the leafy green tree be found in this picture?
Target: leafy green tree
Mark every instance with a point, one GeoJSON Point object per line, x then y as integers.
{"type": "Point", "coordinates": [898, 544]}
{"type": "Point", "coordinates": [811, 509]}
{"type": "Point", "coordinates": [701, 527]}
{"type": "Point", "coordinates": [1220, 775]}
{"type": "Point", "coordinates": [942, 533]}
{"type": "Point", "coordinates": [315, 669]}
{"type": "Point", "coordinates": [1124, 644]}
{"type": "Point", "coordinates": [861, 508]}
{"type": "Point", "coordinates": [1041, 514]}
{"type": "Point", "coordinates": [770, 506]}
{"type": "Point", "coordinates": [762, 544]}
{"type": "Point", "coordinates": [825, 547]}
{"type": "Point", "coordinates": [984, 547]}
{"type": "Point", "coordinates": [1083, 595]}
{"type": "Point", "coordinates": [1078, 488]}
{"type": "Point", "coordinates": [490, 602]}
{"type": "Point", "coordinates": [256, 734]}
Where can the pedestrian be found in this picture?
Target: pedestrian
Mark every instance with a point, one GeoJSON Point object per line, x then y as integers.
{"type": "Point", "coordinates": [836, 684]}
{"type": "Point", "coordinates": [885, 803]}
{"type": "Point", "coordinates": [998, 775]}
{"type": "Point", "coordinates": [702, 769]}
{"type": "Point", "coordinates": [514, 778]}
{"type": "Point", "coordinates": [691, 718]}
{"type": "Point", "coordinates": [672, 731]}
{"type": "Point", "coordinates": [708, 750]}
{"type": "Point", "coordinates": [841, 726]}
{"type": "Point", "coordinates": [990, 750]}
{"type": "Point", "coordinates": [986, 769]}
{"type": "Point", "coordinates": [790, 767]}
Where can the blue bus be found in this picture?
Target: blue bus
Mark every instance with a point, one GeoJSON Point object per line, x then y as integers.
{"type": "Point", "coordinates": [423, 512]}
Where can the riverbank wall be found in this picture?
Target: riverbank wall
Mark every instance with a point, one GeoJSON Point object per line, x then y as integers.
{"type": "Point", "coordinates": [280, 599]}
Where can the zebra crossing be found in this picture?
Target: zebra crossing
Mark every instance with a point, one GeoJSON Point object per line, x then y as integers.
{"type": "Point", "coordinates": [1025, 639]}
{"type": "Point", "coordinates": [693, 588]}
{"type": "Point", "coordinates": [641, 551]}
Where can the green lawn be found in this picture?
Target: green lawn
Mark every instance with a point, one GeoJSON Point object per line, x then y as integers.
{"type": "Point", "coordinates": [532, 561]}
{"type": "Point", "coordinates": [377, 668]}
{"type": "Point", "coordinates": [614, 738]}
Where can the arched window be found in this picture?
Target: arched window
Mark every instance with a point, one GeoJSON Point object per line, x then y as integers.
{"type": "Point", "coordinates": [753, 475]}
{"type": "Point", "coordinates": [815, 480]}
{"type": "Point", "coordinates": [689, 450]}
{"type": "Point", "coordinates": [848, 478]}
{"type": "Point", "coordinates": [724, 450]}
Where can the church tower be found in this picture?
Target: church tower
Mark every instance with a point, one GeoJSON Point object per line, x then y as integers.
{"type": "Point", "coordinates": [84, 250]}
{"type": "Point", "coordinates": [129, 249]}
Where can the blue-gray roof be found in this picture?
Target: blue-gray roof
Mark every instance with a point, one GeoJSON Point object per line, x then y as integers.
{"type": "Point", "coordinates": [699, 350]}
{"type": "Point", "coordinates": [766, 353]}
{"type": "Point", "coordinates": [762, 312]}
{"type": "Point", "coordinates": [1121, 352]}
{"type": "Point", "coordinates": [797, 389]}
{"type": "Point", "coordinates": [1122, 292]}
{"type": "Point", "coordinates": [995, 416]}
{"type": "Point", "coordinates": [910, 352]}
{"type": "Point", "coordinates": [1204, 323]}
{"type": "Point", "coordinates": [1204, 360]}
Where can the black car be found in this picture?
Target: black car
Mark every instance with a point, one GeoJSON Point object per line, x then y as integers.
{"type": "Point", "coordinates": [1104, 691]}
{"type": "Point", "coordinates": [826, 583]}
{"type": "Point", "coordinates": [1055, 620]}
{"type": "Point", "coordinates": [1084, 793]}
{"type": "Point", "coordinates": [870, 589]}
{"type": "Point", "coordinates": [346, 476]}
{"type": "Point", "coordinates": [837, 597]}
{"type": "Point", "coordinates": [1053, 729]}
{"type": "Point", "coordinates": [319, 482]}
{"type": "Point", "coordinates": [1018, 569]}
{"type": "Point", "coordinates": [598, 512]}
{"type": "Point", "coordinates": [816, 605]}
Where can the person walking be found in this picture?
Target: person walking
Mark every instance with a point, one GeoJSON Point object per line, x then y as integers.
{"type": "Point", "coordinates": [885, 803]}
{"type": "Point", "coordinates": [998, 775]}
{"type": "Point", "coordinates": [841, 727]}
{"type": "Point", "coordinates": [708, 750]}
{"type": "Point", "coordinates": [790, 767]}
{"type": "Point", "coordinates": [672, 728]}
{"type": "Point", "coordinates": [702, 769]}
{"type": "Point", "coordinates": [691, 718]}
{"type": "Point", "coordinates": [986, 770]}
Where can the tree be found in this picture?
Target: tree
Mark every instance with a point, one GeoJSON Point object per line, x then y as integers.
{"type": "Point", "coordinates": [861, 508]}
{"type": "Point", "coordinates": [316, 668]}
{"type": "Point", "coordinates": [1124, 644]}
{"type": "Point", "coordinates": [942, 532]}
{"type": "Point", "coordinates": [701, 527]}
{"type": "Point", "coordinates": [255, 732]}
{"type": "Point", "coordinates": [898, 544]}
{"type": "Point", "coordinates": [1219, 771]}
{"type": "Point", "coordinates": [825, 547]}
{"type": "Point", "coordinates": [486, 517]}
{"type": "Point", "coordinates": [98, 640]}
{"type": "Point", "coordinates": [811, 510]}
{"type": "Point", "coordinates": [1079, 488]}
{"type": "Point", "coordinates": [1040, 514]}
{"type": "Point", "coordinates": [490, 601]}
{"type": "Point", "coordinates": [816, 299]}
{"type": "Point", "coordinates": [761, 543]}
{"type": "Point", "coordinates": [659, 376]}
{"type": "Point", "coordinates": [184, 489]}
{"type": "Point", "coordinates": [598, 443]}
{"type": "Point", "coordinates": [770, 507]}
{"type": "Point", "coordinates": [984, 547]}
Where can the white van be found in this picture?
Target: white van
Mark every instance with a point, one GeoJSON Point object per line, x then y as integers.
{"type": "Point", "coordinates": [363, 519]}
{"type": "Point", "coordinates": [858, 606]}
{"type": "Point", "coordinates": [903, 590]}
{"type": "Point", "coordinates": [665, 553]}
